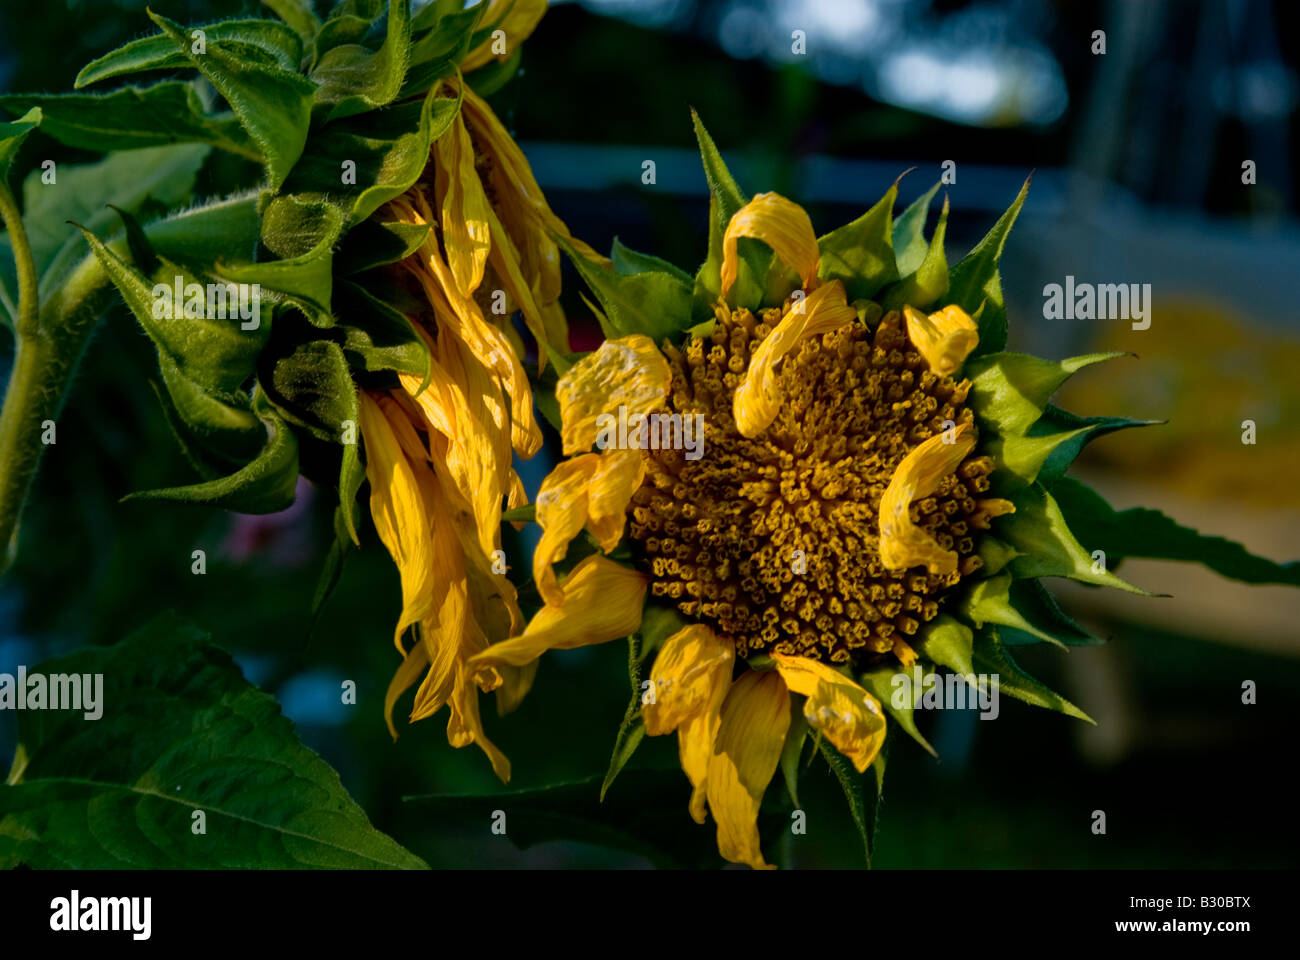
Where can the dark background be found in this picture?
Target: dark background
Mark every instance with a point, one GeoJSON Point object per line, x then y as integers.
{"type": "Point", "coordinates": [1137, 157]}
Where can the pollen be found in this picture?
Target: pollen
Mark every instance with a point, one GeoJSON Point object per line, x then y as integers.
{"type": "Point", "coordinates": [774, 541]}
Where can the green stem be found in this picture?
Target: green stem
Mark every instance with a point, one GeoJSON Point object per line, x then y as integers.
{"type": "Point", "coordinates": [28, 304]}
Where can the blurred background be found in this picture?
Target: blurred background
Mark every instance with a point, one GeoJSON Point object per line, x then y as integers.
{"type": "Point", "coordinates": [1137, 156]}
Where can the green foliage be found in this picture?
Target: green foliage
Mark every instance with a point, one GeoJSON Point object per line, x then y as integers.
{"type": "Point", "coordinates": [976, 286]}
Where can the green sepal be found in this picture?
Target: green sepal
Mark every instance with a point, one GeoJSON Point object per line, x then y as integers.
{"type": "Point", "coordinates": [332, 569]}
{"type": "Point", "coordinates": [630, 262]}
{"type": "Point", "coordinates": [353, 79]}
{"type": "Point", "coordinates": [1048, 548]}
{"type": "Point", "coordinates": [493, 75]}
{"type": "Point", "coordinates": [976, 286]}
{"type": "Point", "coordinates": [258, 41]}
{"type": "Point", "coordinates": [1088, 429]}
{"type": "Point", "coordinates": [792, 749]}
{"type": "Point", "coordinates": [861, 254]}
{"type": "Point", "coordinates": [142, 251]}
{"type": "Point", "coordinates": [1009, 391]}
{"type": "Point", "coordinates": [442, 34]}
{"type": "Point", "coordinates": [299, 15]}
{"type": "Point", "coordinates": [654, 303]}
{"type": "Point", "coordinates": [1024, 605]}
{"type": "Point", "coordinates": [862, 809]}
{"type": "Point", "coordinates": [303, 232]}
{"type": "Point", "coordinates": [948, 642]}
{"type": "Point", "coordinates": [992, 657]}
{"type": "Point", "coordinates": [376, 337]}
{"type": "Point", "coordinates": [272, 103]}
{"type": "Point", "coordinates": [880, 684]}
{"type": "Point", "coordinates": [994, 555]}
{"type": "Point", "coordinates": [135, 117]}
{"type": "Point", "coordinates": [216, 436]}
{"type": "Point", "coordinates": [929, 282]}
{"type": "Point", "coordinates": [390, 148]}
{"type": "Point", "coordinates": [632, 730]}
{"type": "Point", "coordinates": [1020, 458]}
{"type": "Point", "coordinates": [1142, 532]}
{"type": "Point", "coordinates": [266, 485]}
{"type": "Point", "coordinates": [908, 233]}
{"type": "Point", "coordinates": [372, 243]}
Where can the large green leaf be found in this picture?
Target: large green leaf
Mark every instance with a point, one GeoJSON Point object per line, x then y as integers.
{"type": "Point", "coordinates": [133, 117]}
{"type": "Point", "coordinates": [12, 136]}
{"type": "Point", "coordinates": [182, 732]}
{"type": "Point", "coordinates": [352, 78]}
{"type": "Point", "coordinates": [260, 41]}
{"type": "Point", "coordinates": [976, 286]}
{"type": "Point", "coordinates": [272, 103]}
{"type": "Point", "coordinates": [1141, 532]}
{"type": "Point", "coordinates": [861, 253]}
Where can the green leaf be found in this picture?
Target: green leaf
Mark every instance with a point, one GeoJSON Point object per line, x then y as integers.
{"type": "Point", "coordinates": [976, 286]}
{"type": "Point", "coordinates": [908, 233]}
{"type": "Point", "coordinates": [1088, 429]}
{"type": "Point", "coordinates": [1024, 605]}
{"type": "Point", "coordinates": [1048, 548]}
{"type": "Point", "coordinates": [628, 262]}
{"type": "Point", "coordinates": [861, 254]}
{"type": "Point", "coordinates": [133, 117]}
{"type": "Point", "coordinates": [389, 148]}
{"type": "Point", "coordinates": [272, 103]}
{"type": "Point", "coordinates": [863, 810]}
{"type": "Point", "coordinates": [1141, 532]}
{"type": "Point", "coordinates": [880, 684]}
{"type": "Point", "coordinates": [1020, 458]}
{"type": "Point", "coordinates": [653, 303]}
{"type": "Point", "coordinates": [266, 485]}
{"type": "Point", "coordinates": [1009, 391]}
{"type": "Point", "coordinates": [377, 337]}
{"type": "Point", "coordinates": [991, 657]}
{"type": "Point", "coordinates": [793, 750]}
{"type": "Point", "coordinates": [353, 79]}
{"type": "Point", "coordinates": [929, 282]}
{"type": "Point", "coordinates": [374, 244]}
{"type": "Point", "coordinates": [12, 136]}
{"type": "Point", "coordinates": [181, 732]}
{"type": "Point", "coordinates": [304, 232]}
{"type": "Point", "coordinates": [647, 816]}
{"type": "Point", "coordinates": [297, 14]}
{"type": "Point", "coordinates": [260, 41]}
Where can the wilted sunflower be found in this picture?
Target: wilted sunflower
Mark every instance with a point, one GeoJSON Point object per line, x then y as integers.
{"type": "Point", "coordinates": [874, 491]}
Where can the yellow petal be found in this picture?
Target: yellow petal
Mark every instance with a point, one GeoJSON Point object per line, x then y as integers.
{"type": "Point", "coordinates": [629, 372]}
{"type": "Point", "coordinates": [755, 718]}
{"type": "Point", "coordinates": [903, 544]}
{"type": "Point", "coordinates": [758, 397]}
{"type": "Point", "coordinates": [618, 475]}
{"type": "Point", "coordinates": [464, 205]}
{"type": "Point", "coordinates": [465, 726]}
{"type": "Point", "coordinates": [944, 338]}
{"type": "Point", "coordinates": [413, 664]}
{"type": "Point", "coordinates": [695, 740]}
{"type": "Point", "coordinates": [521, 17]}
{"type": "Point", "coordinates": [561, 513]}
{"type": "Point", "coordinates": [691, 671]}
{"type": "Point", "coordinates": [780, 223]}
{"type": "Point", "coordinates": [850, 717]}
{"type": "Point", "coordinates": [602, 601]}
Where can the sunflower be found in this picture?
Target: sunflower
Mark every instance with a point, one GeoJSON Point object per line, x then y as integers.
{"type": "Point", "coordinates": [871, 496]}
{"type": "Point", "coordinates": [439, 449]}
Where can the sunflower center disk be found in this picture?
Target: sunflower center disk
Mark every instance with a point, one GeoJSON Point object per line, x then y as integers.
{"type": "Point", "coordinates": [775, 541]}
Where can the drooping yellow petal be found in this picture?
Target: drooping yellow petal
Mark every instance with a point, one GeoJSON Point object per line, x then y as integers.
{"type": "Point", "coordinates": [903, 544]}
{"type": "Point", "coordinates": [561, 512]}
{"type": "Point", "coordinates": [780, 223]}
{"type": "Point", "coordinates": [758, 397]}
{"type": "Point", "coordinates": [519, 21]}
{"type": "Point", "coordinates": [691, 671]}
{"type": "Point", "coordinates": [944, 338]}
{"type": "Point", "coordinates": [414, 663]}
{"type": "Point", "coordinates": [464, 205]}
{"type": "Point", "coordinates": [751, 734]}
{"type": "Point", "coordinates": [629, 372]}
{"type": "Point", "coordinates": [618, 475]}
{"type": "Point", "coordinates": [465, 725]}
{"type": "Point", "coordinates": [602, 602]}
{"type": "Point", "coordinates": [850, 717]}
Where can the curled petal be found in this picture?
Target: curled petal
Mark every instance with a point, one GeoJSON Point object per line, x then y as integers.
{"type": "Point", "coordinates": [602, 601]}
{"type": "Point", "coordinates": [465, 209]}
{"type": "Point", "coordinates": [850, 717]}
{"type": "Point", "coordinates": [755, 718]}
{"type": "Point", "coordinates": [902, 543]}
{"type": "Point", "coordinates": [758, 397]}
{"type": "Point", "coordinates": [629, 372]}
{"type": "Point", "coordinates": [691, 673]}
{"type": "Point", "coordinates": [944, 338]}
{"type": "Point", "coordinates": [562, 504]}
{"type": "Point", "coordinates": [465, 725]}
{"type": "Point", "coordinates": [780, 223]}
{"type": "Point", "coordinates": [617, 477]}
{"type": "Point", "coordinates": [521, 17]}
